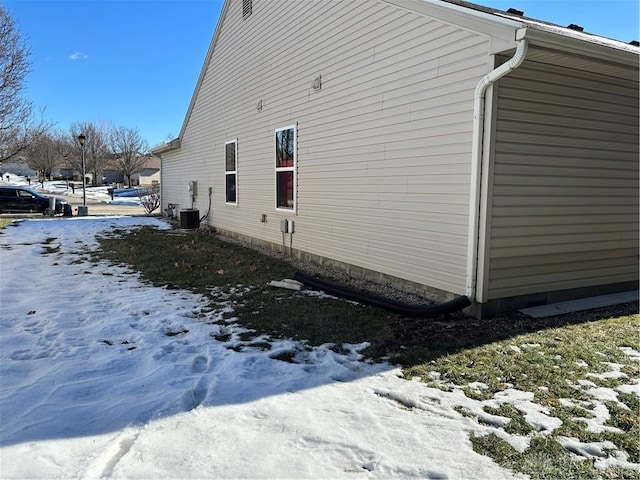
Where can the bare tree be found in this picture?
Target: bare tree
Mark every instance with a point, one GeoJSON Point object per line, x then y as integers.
{"type": "Point", "coordinates": [18, 126]}
{"type": "Point", "coordinates": [128, 146]}
{"type": "Point", "coordinates": [45, 155]}
{"type": "Point", "coordinates": [96, 150]}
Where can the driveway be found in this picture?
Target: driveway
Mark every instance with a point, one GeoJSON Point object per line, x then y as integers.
{"type": "Point", "coordinates": [97, 207]}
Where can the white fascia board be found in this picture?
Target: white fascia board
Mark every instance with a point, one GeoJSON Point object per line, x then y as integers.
{"type": "Point", "coordinates": [577, 43]}
{"type": "Point", "coordinates": [568, 33]}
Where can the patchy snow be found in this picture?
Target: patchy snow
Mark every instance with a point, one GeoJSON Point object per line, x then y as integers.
{"type": "Point", "coordinates": [631, 353]}
{"type": "Point", "coordinates": [605, 453]}
{"type": "Point", "coordinates": [633, 388]}
{"type": "Point", "coordinates": [589, 450]}
{"type": "Point", "coordinates": [106, 376]}
{"type": "Point", "coordinates": [599, 417]}
{"type": "Point", "coordinates": [603, 394]}
{"type": "Point", "coordinates": [613, 373]}
{"type": "Point", "coordinates": [599, 413]}
{"type": "Point", "coordinates": [478, 386]}
{"type": "Point", "coordinates": [536, 415]}
{"type": "Point", "coordinates": [103, 375]}
{"type": "Point", "coordinates": [62, 187]}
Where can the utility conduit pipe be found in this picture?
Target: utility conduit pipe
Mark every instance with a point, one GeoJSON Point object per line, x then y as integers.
{"type": "Point", "coordinates": [476, 157]}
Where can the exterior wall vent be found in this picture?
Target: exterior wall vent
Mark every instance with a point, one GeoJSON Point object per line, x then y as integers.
{"type": "Point", "coordinates": [246, 8]}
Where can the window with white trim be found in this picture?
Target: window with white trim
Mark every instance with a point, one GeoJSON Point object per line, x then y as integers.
{"type": "Point", "coordinates": [231, 172]}
{"type": "Point", "coordinates": [286, 168]}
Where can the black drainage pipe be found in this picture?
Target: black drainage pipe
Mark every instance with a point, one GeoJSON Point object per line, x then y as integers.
{"type": "Point", "coordinates": [425, 311]}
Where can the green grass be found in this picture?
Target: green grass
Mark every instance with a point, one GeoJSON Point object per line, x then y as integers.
{"type": "Point", "coordinates": [517, 425]}
{"type": "Point", "coordinates": [4, 222]}
{"type": "Point", "coordinates": [544, 459]}
{"type": "Point", "coordinates": [550, 363]}
{"type": "Point", "coordinates": [548, 357]}
{"type": "Point", "coordinates": [200, 262]}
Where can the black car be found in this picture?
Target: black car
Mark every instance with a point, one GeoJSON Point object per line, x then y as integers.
{"type": "Point", "coordinates": [25, 200]}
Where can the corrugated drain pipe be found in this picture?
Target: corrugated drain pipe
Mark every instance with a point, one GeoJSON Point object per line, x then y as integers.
{"type": "Point", "coordinates": [476, 158]}
{"type": "Point", "coordinates": [424, 311]}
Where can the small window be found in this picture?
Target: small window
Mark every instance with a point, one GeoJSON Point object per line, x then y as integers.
{"type": "Point", "coordinates": [286, 168]}
{"type": "Point", "coordinates": [246, 8]}
{"type": "Point", "coordinates": [231, 172]}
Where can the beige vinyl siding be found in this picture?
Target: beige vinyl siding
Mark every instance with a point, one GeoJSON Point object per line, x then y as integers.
{"type": "Point", "coordinates": [174, 180]}
{"type": "Point", "coordinates": [383, 147]}
{"type": "Point", "coordinates": [564, 210]}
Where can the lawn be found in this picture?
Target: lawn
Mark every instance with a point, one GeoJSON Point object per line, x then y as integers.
{"type": "Point", "coordinates": [580, 371]}
{"type": "Point", "coordinates": [5, 222]}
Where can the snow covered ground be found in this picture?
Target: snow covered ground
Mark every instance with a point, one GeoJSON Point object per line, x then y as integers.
{"type": "Point", "coordinates": [104, 376]}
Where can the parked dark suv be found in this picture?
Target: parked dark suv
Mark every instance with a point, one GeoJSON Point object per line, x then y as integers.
{"type": "Point", "coordinates": [22, 199]}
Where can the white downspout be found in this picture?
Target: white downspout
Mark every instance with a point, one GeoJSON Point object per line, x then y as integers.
{"type": "Point", "coordinates": [476, 158]}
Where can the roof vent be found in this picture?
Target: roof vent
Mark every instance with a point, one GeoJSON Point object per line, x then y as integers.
{"type": "Point", "coordinates": [575, 27]}
{"type": "Point", "coordinates": [635, 43]}
{"type": "Point", "coordinates": [515, 11]}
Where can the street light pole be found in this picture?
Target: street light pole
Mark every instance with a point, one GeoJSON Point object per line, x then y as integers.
{"type": "Point", "coordinates": [81, 139]}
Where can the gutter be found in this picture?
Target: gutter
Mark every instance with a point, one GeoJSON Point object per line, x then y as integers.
{"type": "Point", "coordinates": [476, 157]}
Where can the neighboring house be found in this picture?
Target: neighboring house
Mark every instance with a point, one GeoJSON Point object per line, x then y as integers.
{"type": "Point", "coordinates": [110, 176]}
{"type": "Point", "coordinates": [17, 166]}
{"type": "Point", "coordinates": [149, 173]}
{"type": "Point", "coordinates": [447, 147]}
{"type": "Point", "coordinates": [111, 172]}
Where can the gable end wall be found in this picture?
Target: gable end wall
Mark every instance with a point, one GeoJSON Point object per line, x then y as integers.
{"type": "Point", "coordinates": [383, 147]}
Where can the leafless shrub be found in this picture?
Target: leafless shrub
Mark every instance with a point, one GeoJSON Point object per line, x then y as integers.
{"type": "Point", "coordinates": [149, 198]}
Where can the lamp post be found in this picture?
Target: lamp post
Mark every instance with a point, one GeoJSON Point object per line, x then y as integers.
{"type": "Point", "coordinates": [81, 139]}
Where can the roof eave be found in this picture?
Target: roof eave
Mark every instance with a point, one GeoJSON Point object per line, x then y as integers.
{"type": "Point", "coordinates": [165, 147]}
{"type": "Point", "coordinates": [584, 44]}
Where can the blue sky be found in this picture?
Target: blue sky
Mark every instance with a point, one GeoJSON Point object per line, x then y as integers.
{"type": "Point", "coordinates": [136, 62]}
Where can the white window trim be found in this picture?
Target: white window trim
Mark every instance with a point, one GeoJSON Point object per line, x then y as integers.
{"type": "Point", "coordinates": [231, 172]}
{"type": "Point", "coordinates": [293, 169]}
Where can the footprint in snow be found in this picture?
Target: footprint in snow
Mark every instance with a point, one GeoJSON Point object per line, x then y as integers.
{"type": "Point", "coordinates": [194, 397]}
{"type": "Point", "coordinates": [199, 364]}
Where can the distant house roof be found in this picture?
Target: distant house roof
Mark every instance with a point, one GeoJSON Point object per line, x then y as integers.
{"type": "Point", "coordinates": [151, 162]}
